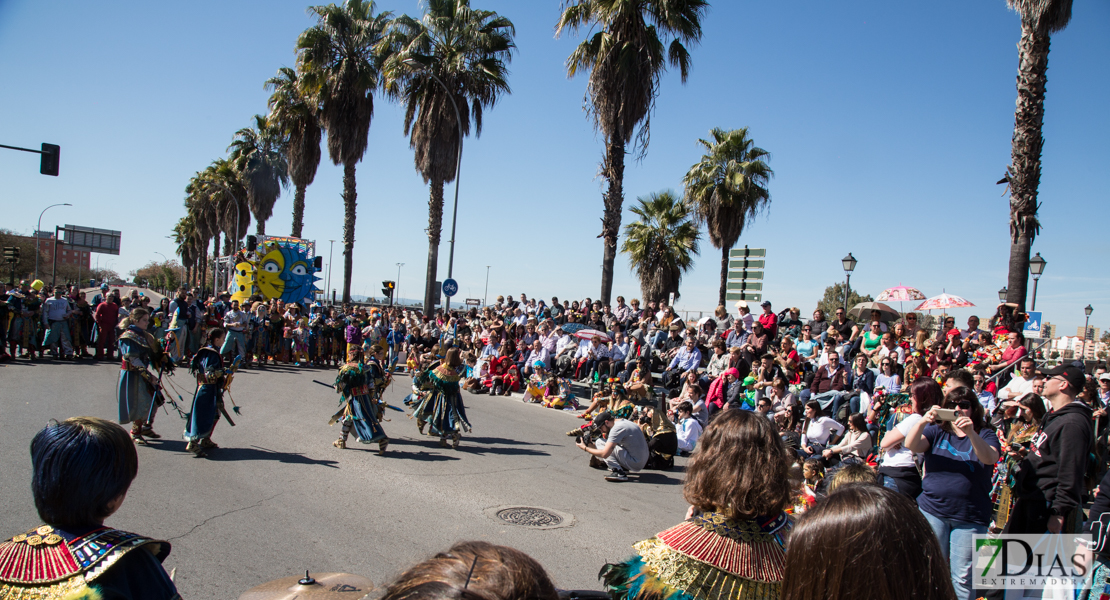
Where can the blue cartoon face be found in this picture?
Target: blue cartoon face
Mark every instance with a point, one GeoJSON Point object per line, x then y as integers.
{"type": "Point", "coordinates": [298, 275]}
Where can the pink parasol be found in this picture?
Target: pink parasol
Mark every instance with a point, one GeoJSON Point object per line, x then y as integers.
{"type": "Point", "coordinates": [589, 334]}
{"type": "Point", "coordinates": [944, 301]}
{"type": "Point", "coordinates": [900, 294]}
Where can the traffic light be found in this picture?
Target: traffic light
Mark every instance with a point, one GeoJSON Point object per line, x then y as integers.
{"type": "Point", "coordinates": [11, 254]}
{"type": "Point", "coordinates": [49, 159]}
{"type": "Point", "coordinates": [387, 290]}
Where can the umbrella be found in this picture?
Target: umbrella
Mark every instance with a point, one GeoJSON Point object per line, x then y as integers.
{"type": "Point", "coordinates": [573, 327]}
{"type": "Point", "coordinates": [704, 320]}
{"type": "Point", "coordinates": [900, 294]}
{"type": "Point", "coordinates": [944, 301]}
{"type": "Point", "coordinates": [590, 334]}
{"type": "Point", "coordinates": [886, 313]}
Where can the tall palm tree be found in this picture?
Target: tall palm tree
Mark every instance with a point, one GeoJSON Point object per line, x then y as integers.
{"type": "Point", "coordinates": [1039, 20]}
{"type": "Point", "coordinates": [223, 185]}
{"type": "Point", "coordinates": [205, 222]}
{"type": "Point", "coordinates": [185, 236]}
{"type": "Point", "coordinates": [448, 67]}
{"type": "Point", "coordinates": [727, 188]}
{"type": "Point", "coordinates": [625, 58]}
{"type": "Point", "coordinates": [258, 154]}
{"type": "Point", "coordinates": [661, 244]}
{"type": "Point", "coordinates": [340, 65]}
{"type": "Point", "coordinates": [291, 111]}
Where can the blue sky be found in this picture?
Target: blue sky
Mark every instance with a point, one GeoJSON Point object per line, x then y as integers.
{"type": "Point", "coordinates": [888, 124]}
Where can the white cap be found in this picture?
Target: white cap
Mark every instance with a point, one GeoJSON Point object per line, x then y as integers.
{"type": "Point", "coordinates": [741, 304]}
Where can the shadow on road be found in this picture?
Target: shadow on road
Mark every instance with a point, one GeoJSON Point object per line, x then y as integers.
{"type": "Point", "coordinates": [485, 441]}
{"type": "Point", "coordinates": [659, 477]}
{"type": "Point", "coordinates": [257, 453]}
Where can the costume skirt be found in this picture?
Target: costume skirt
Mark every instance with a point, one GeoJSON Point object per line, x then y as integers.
{"type": "Point", "coordinates": [136, 398]}
{"type": "Point", "coordinates": [361, 414]}
{"type": "Point", "coordinates": [445, 413]}
{"type": "Point", "coordinates": [205, 412]}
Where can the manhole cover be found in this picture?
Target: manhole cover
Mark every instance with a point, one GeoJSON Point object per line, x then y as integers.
{"type": "Point", "coordinates": [533, 517]}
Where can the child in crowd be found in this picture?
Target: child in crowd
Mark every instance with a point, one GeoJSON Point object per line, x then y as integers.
{"type": "Point", "coordinates": [813, 475]}
{"type": "Point", "coordinates": [300, 341]}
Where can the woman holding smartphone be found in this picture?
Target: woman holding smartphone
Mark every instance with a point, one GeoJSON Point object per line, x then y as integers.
{"type": "Point", "coordinates": [959, 450]}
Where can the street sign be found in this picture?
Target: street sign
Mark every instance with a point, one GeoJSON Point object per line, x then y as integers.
{"type": "Point", "coordinates": [670, 302]}
{"type": "Point", "coordinates": [744, 275]}
{"type": "Point", "coordinates": [473, 302]}
{"type": "Point", "coordinates": [91, 239]}
{"type": "Point", "coordinates": [1033, 325]}
{"type": "Point", "coordinates": [746, 263]}
{"type": "Point", "coordinates": [743, 296]}
{"type": "Point", "coordinates": [450, 288]}
{"type": "Point", "coordinates": [746, 252]}
{"type": "Point", "coordinates": [750, 286]}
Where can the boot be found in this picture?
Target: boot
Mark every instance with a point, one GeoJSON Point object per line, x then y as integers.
{"type": "Point", "coordinates": [455, 440]}
{"type": "Point", "coordinates": [382, 445]}
{"type": "Point", "coordinates": [443, 442]}
{"type": "Point", "coordinates": [148, 432]}
{"type": "Point", "coordinates": [137, 437]}
{"type": "Point", "coordinates": [340, 443]}
{"type": "Point", "coordinates": [421, 426]}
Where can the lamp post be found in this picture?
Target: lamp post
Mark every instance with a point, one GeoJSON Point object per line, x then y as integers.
{"type": "Point", "coordinates": [39, 228]}
{"type": "Point", "coordinates": [331, 254]}
{"type": "Point", "coordinates": [397, 284]}
{"type": "Point", "coordinates": [1086, 331]}
{"type": "Point", "coordinates": [1003, 294]}
{"type": "Point", "coordinates": [849, 263]}
{"type": "Point", "coordinates": [458, 174]}
{"type": "Point", "coordinates": [1036, 267]}
{"type": "Point", "coordinates": [485, 295]}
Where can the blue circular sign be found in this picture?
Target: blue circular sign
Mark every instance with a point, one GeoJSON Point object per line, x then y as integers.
{"type": "Point", "coordinates": [450, 288]}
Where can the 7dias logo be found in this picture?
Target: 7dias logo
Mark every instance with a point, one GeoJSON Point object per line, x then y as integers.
{"type": "Point", "coordinates": [1022, 562]}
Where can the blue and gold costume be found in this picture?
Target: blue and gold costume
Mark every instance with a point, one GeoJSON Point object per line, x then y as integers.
{"type": "Point", "coordinates": [208, 367]}
{"type": "Point", "coordinates": [136, 389]}
{"type": "Point", "coordinates": [442, 407]}
{"type": "Point", "coordinates": [360, 387]}
{"type": "Point", "coordinates": [96, 562]}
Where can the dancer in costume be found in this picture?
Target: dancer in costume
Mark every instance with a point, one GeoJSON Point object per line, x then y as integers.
{"type": "Point", "coordinates": [443, 407]}
{"type": "Point", "coordinates": [359, 409]}
{"type": "Point", "coordinates": [73, 556]}
{"type": "Point", "coordinates": [138, 388]}
{"type": "Point", "coordinates": [732, 544]}
{"type": "Point", "coordinates": [208, 400]}
{"type": "Point", "coordinates": [1030, 411]}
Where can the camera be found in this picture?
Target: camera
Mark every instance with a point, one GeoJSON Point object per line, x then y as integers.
{"type": "Point", "coordinates": [587, 434]}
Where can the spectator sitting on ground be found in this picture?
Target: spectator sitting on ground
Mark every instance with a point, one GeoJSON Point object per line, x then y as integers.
{"type": "Point", "coordinates": [856, 443]}
{"type": "Point", "coordinates": [818, 431]}
{"type": "Point", "coordinates": [738, 487]}
{"type": "Point", "coordinates": [836, 544]}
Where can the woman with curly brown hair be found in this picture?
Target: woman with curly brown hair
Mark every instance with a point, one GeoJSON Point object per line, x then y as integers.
{"type": "Point", "coordinates": [733, 543]}
{"type": "Point", "coordinates": [475, 571]}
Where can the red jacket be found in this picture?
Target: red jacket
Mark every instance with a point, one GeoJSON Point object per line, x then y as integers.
{"type": "Point", "coordinates": [107, 314]}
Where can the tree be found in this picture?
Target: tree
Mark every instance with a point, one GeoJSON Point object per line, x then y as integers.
{"type": "Point", "coordinates": [258, 155]}
{"type": "Point", "coordinates": [25, 268]}
{"type": "Point", "coordinates": [161, 276]}
{"type": "Point", "coordinates": [339, 61]}
{"type": "Point", "coordinates": [1039, 20]}
{"type": "Point", "coordinates": [661, 244]}
{"type": "Point", "coordinates": [448, 68]}
{"type": "Point", "coordinates": [834, 299]}
{"type": "Point", "coordinates": [727, 188]}
{"type": "Point", "coordinates": [1054, 355]}
{"type": "Point", "coordinates": [187, 240]}
{"type": "Point", "coordinates": [291, 112]}
{"type": "Point", "coordinates": [625, 58]}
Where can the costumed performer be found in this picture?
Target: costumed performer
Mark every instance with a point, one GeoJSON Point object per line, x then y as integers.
{"type": "Point", "coordinates": [73, 556]}
{"type": "Point", "coordinates": [139, 390]}
{"type": "Point", "coordinates": [732, 544]}
{"type": "Point", "coordinates": [208, 399]}
{"type": "Point", "coordinates": [443, 407]}
{"type": "Point", "coordinates": [358, 409]}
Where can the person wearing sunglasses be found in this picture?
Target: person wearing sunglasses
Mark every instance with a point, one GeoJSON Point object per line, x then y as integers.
{"type": "Point", "coordinates": [955, 496]}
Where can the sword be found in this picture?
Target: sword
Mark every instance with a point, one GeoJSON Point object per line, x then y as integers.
{"type": "Point", "coordinates": [223, 411]}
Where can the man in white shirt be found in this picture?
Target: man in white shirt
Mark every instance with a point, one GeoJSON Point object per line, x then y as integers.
{"type": "Point", "coordinates": [972, 330]}
{"type": "Point", "coordinates": [1022, 383]}
{"type": "Point", "coordinates": [55, 319]}
{"type": "Point", "coordinates": [235, 322]}
{"type": "Point", "coordinates": [564, 354]}
{"type": "Point", "coordinates": [538, 354]}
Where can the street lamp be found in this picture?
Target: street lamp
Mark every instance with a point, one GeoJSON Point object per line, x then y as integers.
{"type": "Point", "coordinates": [397, 284]}
{"type": "Point", "coordinates": [1086, 332]}
{"type": "Point", "coordinates": [458, 173]}
{"type": "Point", "coordinates": [849, 263]}
{"type": "Point", "coordinates": [331, 254]}
{"type": "Point", "coordinates": [38, 228]}
{"type": "Point", "coordinates": [1003, 294]}
{"type": "Point", "coordinates": [485, 296]}
{"type": "Point", "coordinates": [1036, 267]}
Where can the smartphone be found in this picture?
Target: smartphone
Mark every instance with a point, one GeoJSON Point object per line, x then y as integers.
{"type": "Point", "coordinates": [946, 414]}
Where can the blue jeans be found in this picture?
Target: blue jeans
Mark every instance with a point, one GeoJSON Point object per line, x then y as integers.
{"type": "Point", "coordinates": [956, 544]}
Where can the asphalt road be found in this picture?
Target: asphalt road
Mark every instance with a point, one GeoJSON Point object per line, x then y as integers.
{"type": "Point", "coordinates": [277, 498]}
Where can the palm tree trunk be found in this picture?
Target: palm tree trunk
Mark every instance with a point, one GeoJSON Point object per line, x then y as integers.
{"type": "Point", "coordinates": [215, 257]}
{"type": "Point", "coordinates": [724, 275]}
{"type": "Point", "coordinates": [611, 219]}
{"type": "Point", "coordinates": [203, 265]}
{"type": "Point", "coordinates": [259, 227]}
{"type": "Point", "coordinates": [350, 204]}
{"type": "Point", "coordinates": [435, 229]}
{"type": "Point", "coordinates": [1025, 172]}
{"type": "Point", "coordinates": [298, 211]}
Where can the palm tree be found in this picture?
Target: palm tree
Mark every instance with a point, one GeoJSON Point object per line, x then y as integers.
{"type": "Point", "coordinates": [625, 59]}
{"type": "Point", "coordinates": [1039, 19]}
{"type": "Point", "coordinates": [205, 223]}
{"type": "Point", "coordinates": [727, 188]}
{"type": "Point", "coordinates": [258, 154]}
{"type": "Point", "coordinates": [224, 187]}
{"type": "Point", "coordinates": [661, 244]}
{"type": "Point", "coordinates": [185, 236]}
{"type": "Point", "coordinates": [454, 56]}
{"type": "Point", "coordinates": [340, 65]}
{"type": "Point", "coordinates": [295, 116]}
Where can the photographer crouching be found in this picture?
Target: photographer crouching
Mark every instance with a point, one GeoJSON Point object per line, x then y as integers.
{"type": "Point", "coordinates": [620, 445]}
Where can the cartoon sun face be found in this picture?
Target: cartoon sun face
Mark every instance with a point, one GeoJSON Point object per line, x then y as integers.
{"type": "Point", "coordinates": [271, 283]}
{"type": "Point", "coordinates": [298, 275]}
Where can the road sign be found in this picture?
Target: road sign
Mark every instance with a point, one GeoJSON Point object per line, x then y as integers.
{"type": "Point", "coordinates": [745, 275]}
{"type": "Point", "coordinates": [91, 239]}
{"type": "Point", "coordinates": [1033, 325]}
{"type": "Point", "coordinates": [746, 252]}
{"type": "Point", "coordinates": [473, 302]}
{"type": "Point", "coordinates": [450, 288]}
{"type": "Point", "coordinates": [743, 296]}
{"type": "Point", "coordinates": [748, 286]}
{"type": "Point", "coordinates": [746, 263]}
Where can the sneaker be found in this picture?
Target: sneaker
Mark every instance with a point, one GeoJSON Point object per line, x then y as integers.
{"type": "Point", "coordinates": [616, 475]}
{"type": "Point", "coordinates": [137, 437]}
